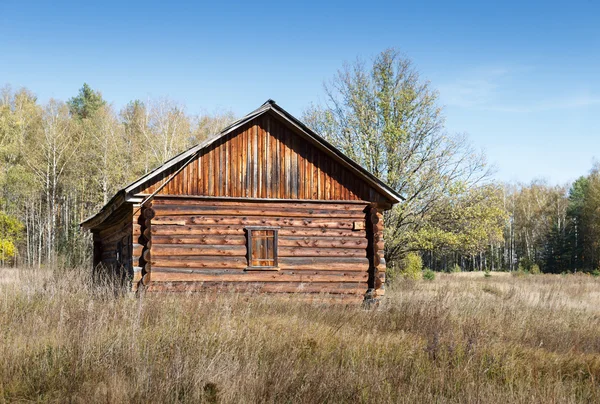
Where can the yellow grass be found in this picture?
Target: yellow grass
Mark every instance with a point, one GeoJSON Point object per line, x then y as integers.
{"type": "Point", "coordinates": [456, 339]}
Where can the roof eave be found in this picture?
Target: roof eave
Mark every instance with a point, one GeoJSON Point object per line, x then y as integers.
{"type": "Point", "coordinates": [113, 204]}
{"type": "Point", "coordinates": [372, 179]}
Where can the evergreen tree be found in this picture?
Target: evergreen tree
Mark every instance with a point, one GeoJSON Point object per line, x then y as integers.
{"type": "Point", "coordinates": [86, 102]}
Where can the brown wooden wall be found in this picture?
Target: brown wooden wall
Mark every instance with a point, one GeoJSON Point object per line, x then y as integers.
{"type": "Point", "coordinates": [199, 244]}
{"type": "Point", "coordinates": [107, 238]}
{"type": "Point", "coordinates": [266, 159]}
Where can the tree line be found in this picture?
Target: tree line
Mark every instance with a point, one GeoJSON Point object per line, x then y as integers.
{"type": "Point", "coordinates": [455, 216]}
{"type": "Point", "coordinates": [61, 161]}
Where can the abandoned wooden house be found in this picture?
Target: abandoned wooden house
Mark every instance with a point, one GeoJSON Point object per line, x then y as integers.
{"type": "Point", "coordinates": [267, 205]}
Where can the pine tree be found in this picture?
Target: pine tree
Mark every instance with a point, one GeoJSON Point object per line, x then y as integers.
{"type": "Point", "coordinates": [86, 102]}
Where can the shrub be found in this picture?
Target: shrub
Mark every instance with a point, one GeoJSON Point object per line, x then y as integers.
{"type": "Point", "coordinates": [525, 263]}
{"type": "Point", "coordinates": [520, 271]}
{"type": "Point", "coordinates": [596, 272]}
{"type": "Point", "coordinates": [412, 266]}
{"type": "Point", "coordinates": [487, 273]}
{"type": "Point", "coordinates": [535, 269]}
{"type": "Point", "coordinates": [456, 268]}
{"type": "Point", "coordinates": [428, 274]}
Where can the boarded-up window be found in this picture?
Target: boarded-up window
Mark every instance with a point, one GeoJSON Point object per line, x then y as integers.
{"type": "Point", "coordinates": [262, 248]}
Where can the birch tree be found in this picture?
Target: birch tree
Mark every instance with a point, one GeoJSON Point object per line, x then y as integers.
{"type": "Point", "coordinates": [386, 118]}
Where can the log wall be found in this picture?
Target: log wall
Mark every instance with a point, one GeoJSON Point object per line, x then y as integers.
{"type": "Point", "coordinates": [115, 235]}
{"type": "Point", "coordinates": [265, 159]}
{"type": "Point", "coordinates": [200, 244]}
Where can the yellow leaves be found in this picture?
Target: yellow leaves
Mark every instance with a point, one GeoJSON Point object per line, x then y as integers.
{"type": "Point", "coordinates": [466, 221]}
{"type": "Point", "coordinates": [7, 249]}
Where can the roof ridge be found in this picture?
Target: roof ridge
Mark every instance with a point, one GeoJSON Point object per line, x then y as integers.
{"type": "Point", "coordinates": [270, 104]}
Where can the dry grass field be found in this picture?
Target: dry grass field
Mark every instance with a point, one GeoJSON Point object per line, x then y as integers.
{"type": "Point", "coordinates": [460, 338]}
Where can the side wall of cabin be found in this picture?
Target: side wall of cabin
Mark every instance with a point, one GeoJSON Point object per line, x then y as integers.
{"type": "Point", "coordinates": [113, 245]}
{"type": "Point", "coordinates": [200, 243]}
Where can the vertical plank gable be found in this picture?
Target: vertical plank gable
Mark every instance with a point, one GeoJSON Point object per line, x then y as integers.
{"type": "Point", "coordinates": [265, 159]}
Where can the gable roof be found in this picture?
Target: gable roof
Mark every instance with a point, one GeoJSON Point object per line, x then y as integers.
{"type": "Point", "coordinates": [184, 158]}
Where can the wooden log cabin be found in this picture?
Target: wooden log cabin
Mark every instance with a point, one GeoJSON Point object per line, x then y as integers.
{"type": "Point", "coordinates": [267, 205]}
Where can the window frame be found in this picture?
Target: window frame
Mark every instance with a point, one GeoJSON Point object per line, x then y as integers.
{"type": "Point", "coordinates": [275, 230]}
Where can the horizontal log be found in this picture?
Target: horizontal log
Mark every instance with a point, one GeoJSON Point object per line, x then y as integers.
{"type": "Point", "coordinates": [327, 242]}
{"type": "Point", "coordinates": [258, 221]}
{"type": "Point", "coordinates": [198, 249]}
{"type": "Point", "coordinates": [200, 262]}
{"type": "Point", "coordinates": [239, 239]}
{"type": "Point", "coordinates": [374, 218]}
{"type": "Point", "coordinates": [271, 276]}
{"type": "Point", "coordinates": [323, 232]}
{"type": "Point", "coordinates": [321, 252]}
{"type": "Point", "coordinates": [241, 262]}
{"type": "Point", "coordinates": [261, 287]}
{"type": "Point", "coordinates": [164, 200]}
{"type": "Point", "coordinates": [239, 230]}
{"type": "Point", "coordinates": [159, 221]}
{"type": "Point", "coordinates": [216, 271]}
{"type": "Point", "coordinates": [195, 249]}
{"type": "Point", "coordinates": [378, 246]}
{"type": "Point", "coordinates": [263, 210]}
{"type": "Point", "coordinates": [337, 263]}
{"type": "Point", "coordinates": [148, 213]}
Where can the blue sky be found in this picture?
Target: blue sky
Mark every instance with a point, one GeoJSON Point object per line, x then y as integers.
{"type": "Point", "coordinates": [521, 78]}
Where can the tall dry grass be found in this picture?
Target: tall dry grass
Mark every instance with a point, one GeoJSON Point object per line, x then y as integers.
{"type": "Point", "coordinates": [455, 339]}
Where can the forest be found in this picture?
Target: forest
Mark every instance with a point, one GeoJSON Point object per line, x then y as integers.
{"type": "Point", "coordinates": [62, 160]}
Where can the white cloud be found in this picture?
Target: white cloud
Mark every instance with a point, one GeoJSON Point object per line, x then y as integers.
{"type": "Point", "coordinates": [574, 101]}
{"type": "Point", "coordinates": [486, 89]}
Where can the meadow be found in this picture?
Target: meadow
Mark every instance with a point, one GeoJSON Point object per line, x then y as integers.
{"type": "Point", "coordinates": [459, 338]}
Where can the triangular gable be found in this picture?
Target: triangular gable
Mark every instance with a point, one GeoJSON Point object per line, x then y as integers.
{"type": "Point", "coordinates": [267, 154]}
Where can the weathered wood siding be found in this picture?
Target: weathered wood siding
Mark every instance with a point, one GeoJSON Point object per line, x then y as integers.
{"type": "Point", "coordinates": [265, 159]}
{"type": "Point", "coordinates": [115, 235]}
{"type": "Point", "coordinates": [199, 244]}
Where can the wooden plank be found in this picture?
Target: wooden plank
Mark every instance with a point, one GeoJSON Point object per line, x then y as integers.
{"type": "Point", "coordinates": [226, 165]}
{"type": "Point", "coordinates": [337, 263]}
{"type": "Point", "coordinates": [329, 223]}
{"type": "Point", "coordinates": [328, 242]}
{"type": "Point", "coordinates": [343, 275]}
{"type": "Point", "coordinates": [160, 250]}
{"type": "Point", "coordinates": [270, 276]}
{"type": "Point", "coordinates": [255, 162]}
{"type": "Point", "coordinates": [239, 230]}
{"type": "Point", "coordinates": [260, 159]}
{"type": "Point", "coordinates": [261, 287]}
{"type": "Point", "coordinates": [239, 239]}
{"type": "Point", "coordinates": [320, 252]}
{"type": "Point", "coordinates": [267, 161]}
{"type": "Point", "coordinates": [217, 262]}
